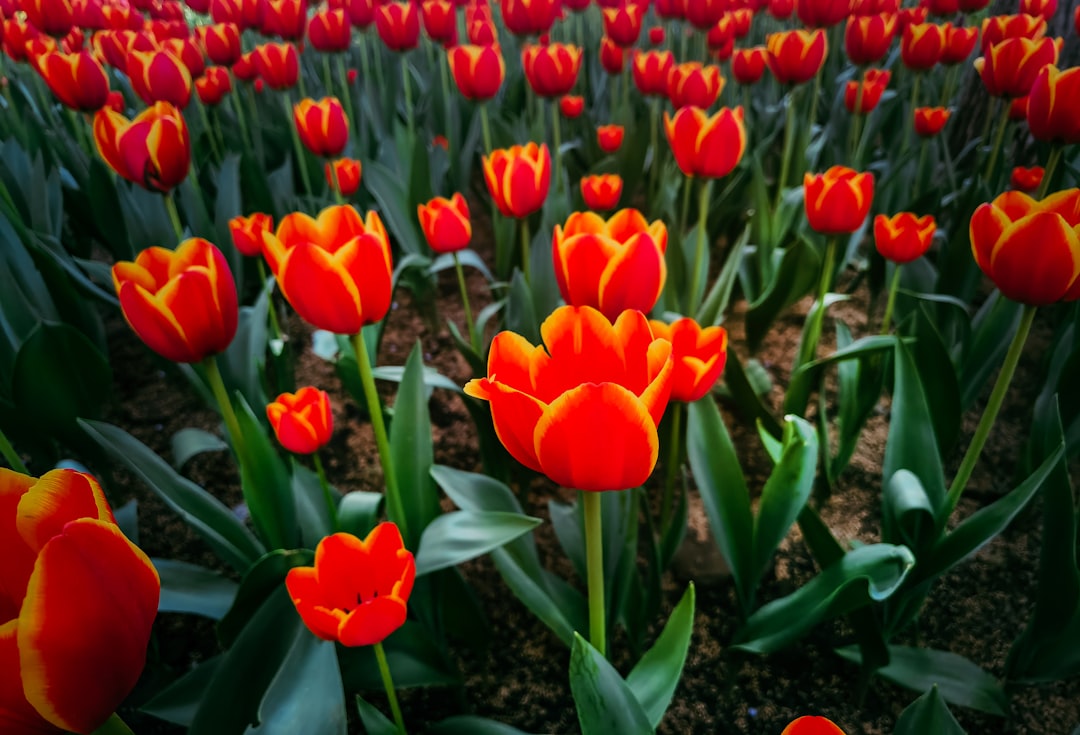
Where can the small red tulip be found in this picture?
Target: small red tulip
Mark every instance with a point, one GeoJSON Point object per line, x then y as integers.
{"type": "Point", "coordinates": [873, 86]}
{"type": "Point", "coordinates": [398, 25]}
{"type": "Point", "coordinates": [347, 173]}
{"type": "Point", "coordinates": [867, 38]}
{"type": "Point", "coordinates": [213, 85]}
{"type": "Point", "coordinates": [440, 21]}
{"type": "Point", "coordinates": [609, 137]}
{"type": "Point", "coordinates": [445, 223]}
{"type": "Point", "coordinates": [247, 232]}
{"type": "Point", "coordinates": [571, 106]}
{"type": "Point", "coordinates": [959, 43]}
{"type": "Point", "coordinates": [159, 76]}
{"type": "Point", "coordinates": [284, 18]}
{"type": "Point", "coordinates": [302, 421]}
{"type": "Point", "coordinates": [903, 237]}
{"type": "Point", "coordinates": [278, 64]}
{"type": "Point", "coordinates": [601, 192]}
{"type": "Point", "coordinates": [651, 71]}
{"type": "Point", "coordinates": [222, 42]}
{"type": "Point", "coordinates": [612, 56]}
{"type": "Point", "coordinates": [478, 71]}
{"type": "Point", "coordinates": [699, 356]}
{"type": "Point", "coordinates": [529, 17]}
{"type": "Point", "coordinates": [922, 45]}
{"type": "Point", "coordinates": [822, 13]}
{"type": "Point", "coordinates": [77, 80]}
{"type": "Point", "coordinates": [838, 200]}
{"type": "Point", "coordinates": [930, 120]}
{"type": "Point", "coordinates": [1027, 179]}
{"type": "Point", "coordinates": [748, 65]}
{"type": "Point", "coordinates": [622, 23]}
{"type": "Point", "coordinates": [796, 56]}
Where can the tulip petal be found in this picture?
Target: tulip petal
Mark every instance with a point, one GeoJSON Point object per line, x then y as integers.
{"type": "Point", "coordinates": [307, 595]}
{"type": "Point", "coordinates": [16, 715]}
{"type": "Point", "coordinates": [337, 559]}
{"type": "Point", "coordinates": [812, 726]}
{"type": "Point", "coordinates": [158, 329]}
{"type": "Point", "coordinates": [366, 261]}
{"type": "Point", "coordinates": [514, 415]}
{"type": "Point", "coordinates": [633, 278]}
{"type": "Point", "coordinates": [1036, 260]}
{"type": "Point", "coordinates": [320, 290]}
{"type": "Point", "coordinates": [372, 622]}
{"type": "Point", "coordinates": [584, 348]}
{"type": "Point", "coordinates": [18, 557]}
{"type": "Point", "coordinates": [59, 497]}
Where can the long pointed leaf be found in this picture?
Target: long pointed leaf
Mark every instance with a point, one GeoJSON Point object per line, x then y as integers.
{"type": "Point", "coordinates": [655, 677]}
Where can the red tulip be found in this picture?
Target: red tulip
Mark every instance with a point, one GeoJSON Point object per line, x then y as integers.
{"type": "Point", "coordinates": [873, 86]}
{"type": "Point", "coordinates": [601, 192]}
{"type": "Point", "coordinates": [445, 223]}
{"type": "Point", "coordinates": [796, 56]}
{"type": "Point", "coordinates": [323, 126]}
{"type": "Point", "coordinates": [440, 21]}
{"type": "Point", "coordinates": [1010, 67]}
{"type": "Point", "coordinates": [822, 13]}
{"type": "Point", "coordinates": [278, 64]}
{"type": "Point", "coordinates": [922, 45]}
{"type": "Point", "coordinates": [941, 7]}
{"type": "Point", "coordinates": [867, 38]}
{"type": "Point", "coordinates": [612, 56]}
{"type": "Point", "coordinates": [302, 421]}
{"type": "Point", "coordinates": [651, 70]}
{"type": "Point", "coordinates": [329, 31]}
{"type": "Point", "coordinates": [959, 43]}
{"type": "Point", "coordinates": [551, 70]}
{"type": "Point", "coordinates": [77, 80]}
{"type": "Point", "coordinates": [903, 237]}
{"type": "Point", "coordinates": [478, 71]}
{"type": "Point", "coordinates": [692, 84]}
{"type": "Point", "coordinates": [609, 137]}
{"type": "Point", "coordinates": [571, 106]}
{"type": "Point", "coordinates": [1044, 9]}
{"type": "Point", "coordinates": [812, 726]}
{"type": "Point", "coordinates": [699, 356]}
{"type": "Point", "coordinates": [837, 201]}
{"type": "Point", "coordinates": [51, 17]}
{"type": "Point", "coordinates": [529, 17]}
{"type": "Point", "coordinates": [222, 42]}
{"type": "Point", "coordinates": [158, 76]}
{"type": "Point", "coordinates": [153, 150]}
{"type": "Point", "coordinates": [398, 25]}
{"type": "Point", "coordinates": [347, 173]}
{"type": "Point", "coordinates": [284, 18]}
{"type": "Point", "coordinates": [1027, 179]}
{"type": "Point", "coordinates": [997, 28]}
{"type": "Point", "coordinates": [709, 147]}
{"type": "Point", "coordinates": [213, 85]}
{"type": "Point", "coordinates": [1053, 108]}
{"type": "Point", "coordinates": [748, 65]}
{"type": "Point", "coordinates": [247, 232]}
{"type": "Point", "coordinates": [518, 178]}
{"type": "Point", "coordinates": [656, 35]}
{"type": "Point", "coordinates": [703, 14]}
{"type": "Point", "coordinates": [622, 23]}
{"type": "Point", "coordinates": [930, 120]}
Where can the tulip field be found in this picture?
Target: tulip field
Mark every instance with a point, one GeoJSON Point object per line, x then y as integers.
{"type": "Point", "coordinates": [481, 367]}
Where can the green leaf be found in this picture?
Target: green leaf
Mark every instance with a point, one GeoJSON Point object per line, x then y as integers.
{"type": "Point", "coordinates": [604, 701]}
{"type": "Point", "coordinates": [189, 442]}
{"type": "Point", "coordinates": [796, 272]}
{"type": "Point", "coordinates": [104, 204]}
{"type": "Point", "coordinates": [374, 721]}
{"type": "Point", "coordinates": [412, 454]}
{"type": "Point", "coordinates": [204, 513]}
{"type": "Point", "coordinates": [931, 357]}
{"type": "Point", "coordinates": [992, 330]}
{"type": "Point", "coordinates": [959, 680]}
{"type": "Point", "coordinates": [808, 375]}
{"type": "Point", "coordinates": [928, 714]}
{"type": "Point", "coordinates": [432, 378]}
{"type": "Point", "coordinates": [178, 702]}
{"type": "Point", "coordinates": [471, 725]}
{"type": "Point", "coordinates": [359, 511]}
{"type": "Point", "coordinates": [306, 694]}
{"type": "Point", "coordinates": [718, 297]}
{"type": "Point", "coordinates": [265, 483]}
{"type": "Point", "coordinates": [457, 537]}
{"type": "Point", "coordinates": [521, 314]}
{"type": "Point", "coordinates": [863, 575]}
{"type": "Point", "coordinates": [655, 677]}
{"type": "Point", "coordinates": [389, 192]}
{"type": "Point", "coordinates": [263, 578]}
{"type": "Point", "coordinates": [908, 515]}
{"type": "Point", "coordinates": [312, 515]}
{"type": "Point", "coordinates": [743, 392]}
{"type": "Point", "coordinates": [415, 659]}
{"type": "Point", "coordinates": [189, 588]}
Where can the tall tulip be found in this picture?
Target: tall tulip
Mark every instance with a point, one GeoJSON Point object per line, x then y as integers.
{"type": "Point", "coordinates": [694, 84]}
{"type": "Point", "coordinates": [323, 126]}
{"type": "Point", "coordinates": [77, 80]}
{"type": "Point", "coordinates": [518, 179]}
{"type": "Point", "coordinates": [447, 229]}
{"type": "Point", "coordinates": [796, 56]}
{"type": "Point", "coordinates": [478, 71]}
{"type": "Point", "coordinates": [153, 150]}
{"type": "Point", "coordinates": [159, 76]}
{"type": "Point", "coordinates": [901, 239]}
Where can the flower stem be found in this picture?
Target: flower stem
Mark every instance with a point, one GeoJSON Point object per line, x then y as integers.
{"type": "Point", "coordinates": [339, 198]}
{"type": "Point", "coordinates": [114, 726]}
{"type": "Point", "coordinates": [556, 134]}
{"type": "Point", "coordinates": [785, 160]}
{"type": "Point", "coordinates": [346, 92]}
{"type": "Point", "coordinates": [474, 336]}
{"type": "Point", "coordinates": [594, 554]}
{"type": "Point", "coordinates": [894, 286]}
{"type": "Point", "coordinates": [654, 143]}
{"type": "Point", "coordinates": [406, 81]}
{"type": "Point", "coordinates": [485, 125]}
{"type": "Point", "coordinates": [982, 431]}
{"type": "Point", "coordinates": [673, 463]}
{"type": "Point", "coordinates": [999, 138]}
{"type": "Point", "coordinates": [699, 253]}
{"type": "Point", "coordinates": [909, 129]}
{"type": "Point", "coordinates": [11, 455]}
{"type": "Point", "coordinates": [388, 684]}
{"type": "Point", "coordinates": [297, 147]}
{"type": "Point", "coordinates": [525, 242]}
{"type": "Point", "coordinates": [174, 216]}
{"type": "Point", "coordinates": [1048, 173]}
{"type": "Point", "coordinates": [209, 132]}
{"type": "Point", "coordinates": [217, 386]}
{"type": "Point", "coordinates": [809, 346]}
{"type": "Point", "coordinates": [328, 496]}
{"type": "Point", "coordinates": [275, 326]}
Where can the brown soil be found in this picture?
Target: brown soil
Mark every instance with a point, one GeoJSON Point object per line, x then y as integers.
{"type": "Point", "coordinates": [521, 679]}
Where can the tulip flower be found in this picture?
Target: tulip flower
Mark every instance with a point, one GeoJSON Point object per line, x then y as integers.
{"type": "Point", "coordinates": [1053, 109]}
{"type": "Point", "coordinates": [213, 85]}
{"type": "Point", "coordinates": [1009, 68]}
{"type": "Point", "coordinates": [699, 356]}
{"type": "Point", "coordinates": [551, 70]}
{"type": "Point", "coordinates": [278, 64]}
{"type": "Point", "coordinates": [903, 237]}
{"type": "Point", "coordinates": [246, 69]}
{"type": "Point", "coordinates": [671, 9]}
{"type": "Point", "coordinates": [704, 146]}
{"type": "Point", "coordinates": [189, 51]}
{"type": "Point", "coordinates": [862, 97]}
{"type": "Point", "coordinates": [748, 64]}
{"type": "Point", "coordinates": [997, 28]}
{"type": "Point", "coordinates": [1044, 9]}
{"type": "Point", "coordinates": [650, 70]}
{"type": "Point", "coordinates": [922, 45]}
{"type": "Point", "coordinates": [910, 17]}
{"type": "Point", "coordinates": [222, 43]}
{"type": "Point", "coordinates": [159, 76]}
{"type": "Point", "coordinates": [837, 201]}
{"type": "Point", "coordinates": [529, 17]}
{"type": "Point", "coordinates": [77, 604]}
{"type": "Point", "coordinates": [329, 31]}
{"type": "Point", "coordinates": [482, 32]}
{"type": "Point", "coordinates": [77, 80]}
{"type": "Point", "coordinates": [1030, 248]}
{"type": "Point", "coordinates": [822, 13]}
{"type": "Point", "coordinates": [361, 12]}
{"type": "Point", "coordinates": [703, 14]}
{"type": "Point", "coordinates": [284, 18]}
{"type": "Point", "coordinates": [959, 43]}
{"type": "Point", "coordinates": [867, 38]}
{"type": "Point", "coordinates": [622, 23]}
{"type": "Point", "coordinates": [741, 20]}
{"type": "Point", "coordinates": [247, 232]}
{"type": "Point", "coordinates": [781, 9]}
{"type": "Point", "coordinates": [445, 223]}
{"type": "Point", "coordinates": [611, 265]}
{"type": "Point", "coordinates": [343, 175]}
{"type": "Point", "coordinates": [612, 56]}
{"type": "Point", "coordinates": [809, 725]}
{"type": "Point", "coordinates": [518, 178]}
{"type": "Point", "coordinates": [51, 17]}
{"type": "Point", "coordinates": [601, 192]}
{"type": "Point", "coordinates": [571, 106]}
{"type": "Point", "coordinates": [440, 21]}
{"type": "Point", "coordinates": [609, 137]}
{"type": "Point", "coordinates": [323, 126]}
{"type": "Point", "coordinates": [656, 35]}
{"type": "Point", "coordinates": [245, 13]}
{"type": "Point", "coordinates": [181, 303]}
{"type": "Point", "coordinates": [153, 150]}
{"type": "Point", "coordinates": [478, 71]}
{"type": "Point", "coordinates": [398, 25]}
{"type": "Point", "coordinates": [692, 84]}
{"type": "Point", "coordinates": [795, 56]}
{"type": "Point", "coordinates": [301, 421]}
{"type": "Point", "coordinates": [930, 120]}
{"type": "Point", "coordinates": [1027, 179]}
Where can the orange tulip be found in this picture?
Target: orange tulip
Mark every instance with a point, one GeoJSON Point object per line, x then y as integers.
{"type": "Point", "coordinates": [278, 64]}
{"type": "Point", "coordinates": [518, 178]}
{"type": "Point", "coordinates": [611, 265]}
{"type": "Point", "coordinates": [867, 38]}
{"type": "Point", "coordinates": [748, 64]}
{"type": "Point", "coordinates": [694, 84]}
{"type": "Point", "coordinates": [699, 356]}
{"type": "Point", "coordinates": [329, 31]}
{"type": "Point", "coordinates": [959, 43]}
{"type": "Point", "coordinates": [357, 592]}
{"type": "Point", "coordinates": [1030, 249]}
{"type": "Point", "coordinates": [822, 13]}
{"type": "Point", "coordinates": [77, 80]}
{"type": "Point", "coordinates": [398, 25]}
{"type": "Point", "coordinates": [1009, 68]}
{"type": "Point", "coordinates": [302, 421]}
{"type": "Point", "coordinates": [77, 602]}
{"type": "Point", "coordinates": [1027, 179]}
{"type": "Point", "coordinates": [222, 43]}
{"type": "Point", "coordinates": [601, 192]}
{"type": "Point", "coordinates": [551, 70]}
{"type": "Point", "coordinates": [571, 106]}
{"type": "Point", "coordinates": [583, 412]}
{"type": "Point", "coordinates": [529, 17]}
{"type": "Point", "coordinates": [347, 173]}
{"type": "Point", "coordinates": [247, 232]}
{"type": "Point", "coordinates": [478, 70]}
{"type": "Point", "coordinates": [153, 150]}
{"type": "Point", "coordinates": [651, 70]}
{"type": "Point", "coordinates": [838, 200]}
{"type": "Point", "coordinates": [335, 270]}
{"type": "Point", "coordinates": [51, 17]}
{"type": "Point", "coordinates": [181, 303]}
{"type": "Point", "coordinates": [213, 85]}
{"type": "Point", "coordinates": [1053, 109]}
{"type": "Point", "coordinates": [609, 137]}
{"type": "Point", "coordinates": [795, 56]}
{"type": "Point", "coordinates": [903, 237]}
{"type": "Point", "coordinates": [159, 76]}
{"type": "Point", "coordinates": [930, 120]}
{"type": "Point", "coordinates": [922, 45]}
{"type": "Point", "coordinates": [706, 146]}
{"type": "Point", "coordinates": [323, 126]}
{"type": "Point", "coordinates": [873, 85]}
{"type": "Point", "coordinates": [812, 726]}
{"type": "Point", "coordinates": [622, 23]}
{"type": "Point", "coordinates": [445, 223]}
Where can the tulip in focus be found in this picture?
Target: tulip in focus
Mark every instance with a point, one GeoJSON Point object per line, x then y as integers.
{"type": "Point", "coordinates": [346, 172]}
{"type": "Point", "coordinates": [601, 192]}
{"type": "Point", "coordinates": [903, 237]}
{"type": "Point", "coordinates": [445, 223]}
{"type": "Point", "coordinates": [1053, 109]}
{"type": "Point", "coordinates": [77, 603]}
{"type": "Point", "coordinates": [838, 200]}
{"type": "Point", "coordinates": [247, 232]}
{"type": "Point", "coordinates": [699, 356]}
{"type": "Point", "coordinates": [302, 421]}
{"type": "Point", "coordinates": [584, 411]}
{"type": "Point", "coordinates": [609, 137]}
{"type": "Point", "coordinates": [323, 126]}
{"type": "Point", "coordinates": [709, 147]}
{"type": "Point", "coordinates": [478, 71]}
{"type": "Point", "coordinates": [930, 120]}
{"type": "Point", "coordinates": [796, 56]}
{"type": "Point", "coordinates": [518, 178]}
{"type": "Point", "coordinates": [153, 150]}
{"type": "Point", "coordinates": [1027, 179]}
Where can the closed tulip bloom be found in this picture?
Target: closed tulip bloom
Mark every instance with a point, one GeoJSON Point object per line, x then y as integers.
{"type": "Point", "coordinates": [478, 71]}
{"type": "Point", "coordinates": [52, 17]}
{"type": "Point", "coordinates": [181, 303]}
{"type": "Point", "coordinates": [959, 43]}
{"type": "Point", "coordinates": [1018, 107]}
{"type": "Point", "coordinates": [246, 69]}
{"type": "Point", "coordinates": [347, 173]}
{"type": "Point", "coordinates": [809, 725]}
{"type": "Point", "coordinates": [551, 70]}
{"type": "Point", "coordinates": [482, 32]}
{"type": "Point", "coordinates": [329, 31]}
{"type": "Point", "coordinates": [518, 178]}
{"type": "Point", "coordinates": [576, 6]}
{"type": "Point", "coordinates": [699, 356]}
{"type": "Point", "coordinates": [941, 7]}
{"type": "Point", "coordinates": [584, 411]}
{"type": "Point", "coordinates": [247, 232]}
{"type": "Point", "coordinates": [1010, 67]}
{"type": "Point", "coordinates": [361, 12]}
{"type": "Point", "coordinates": [323, 126]}
{"type": "Point", "coordinates": [838, 200]}
{"type": "Point", "coordinates": [997, 28]}
{"type": "Point", "coordinates": [721, 33]}
{"type": "Point", "coordinates": [1030, 249]}
{"type": "Point", "coordinates": [77, 603]}
{"type": "Point", "coordinates": [440, 21]}
{"type": "Point", "coordinates": [222, 43]}
{"type": "Point", "coordinates": [245, 13]}
{"type": "Point", "coordinates": [571, 106]}
{"type": "Point", "coordinates": [930, 120]}
{"type": "Point", "coordinates": [445, 223]}
{"type": "Point", "coordinates": [822, 13]}
{"type": "Point", "coordinates": [875, 7]}
{"type": "Point", "coordinates": [612, 56]}
{"type": "Point", "coordinates": [1044, 9]}
{"type": "Point", "coordinates": [796, 56]}
{"type": "Point", "coordinates": [922, 45]}
{"type": "Point", "coordinates": [278, 64]}
{"type": "Point", "coordinates": [1027, 179]}
{"type": "Point", "coordinates": [873, 85]}
{"type": "Point", "coordinates": [910, 17]}
{"type": "Point", "coordinates": [903, 237]}
{"type": "Point", "coordinates": [529, 17]}
{"type": "Point", "coordinates": [656, 35]}
{"type": "Point", "coordinates": [867, 38]}
{"type": "Point", "coordinates": [398, 25]}
{"type": "Point", "coordinates": [781, 9]}
{"type": "Point", "coordinates": [159, 76]}
{"type": "Point", "coordinates": [284, 18]}
{"type": "Point", "coordinates": [703, 14]}
{"type": "Point", "coordinates": [609, 137]}
{"type": "Point", "coordinates": [213, 85]}
{"type": "Point", "coordinates": [17, 36]}
{"type": "Point", "coordinates": [748, 64]}
{"type": "Point", "coordinates": [153, 150]}
{"type": "Point", "coordinates": [705, 146]}
{"type": "Point", "coordinates": [671, 9]}
{"type": "Point", "coordinates": [694, 84]}
{"type": "Point", "coordinates": [335, 270]}
{"type": "Point", "coordinates": [742, 19]}
{"type": "Point", "coordinates": [302, 421]}
{"type": "Point", "coordinates": [622, 23]}
{"type": "Point", "coordinates": [1053, 109]}
{"type": "Point", "coordinates": [357, 592]}
{"type": "Point", "coordinates": [650, 70]}
{"type": "Point", "coordinates": [611, 265]}
{"type": "Point", "coordinates": [601, 192]}
{"type": "Point", "coordinates": [77, 80]}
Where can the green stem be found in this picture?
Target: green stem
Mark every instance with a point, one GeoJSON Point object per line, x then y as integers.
{"type": "Point", "coordinates": [684, 210]}
{"type": "Point", "coordinates": [174, 216]}
{"type": "Point", "coordinates": [917, 184]}
{"type": "Point", "coordinates": [594, 555]}
{"type": "Point", "coordinates": [114, 726]}
{"type": "Point", "coordinates": [982, 431]}
{"type": "Point", "coordinates": [209, 131]}
{"type": "Point", "coordinates": [298, 148]}
{"type": "Point", "coordinates": [388, 684]}
{"type": "Point", "coordinates": [327, 77]}
{"type": "Point", "coordinates": [275, 326]}
{"type": "Point", "coordinates": [338, 196]}
{"type": "Point", "coordinates": [785, 160]}
{"type": "Point", "coordinates": [347, 93]}
{"type": "Point", "coordinates": [894, 286]}
{"type": "Point", "coordinates": [253, 108]}
{"type": "Point", "coordinates": [856, 124]}
{"type": "Point", "coordinates": [11, 455]}
{"type": "Point", "coordinates": [673, 464]}
{"type": "Point", "coordinates": [809, 347]}
{"type": "Point", "coordinates": [393, 498]}
{"type": "Point", "coordinates": [474, 336]}
{"type": "Point", "coordinates": [238, 113]}
{"type": "Point", "coordinates": [406, 81]}
{"type": "Point", "coordinates": [444, 74]}
{"type": "Point", "coordinates": [217, 386]}
{"type": "Point", "coordinates": [909, 130]}
{"type": "Point", "coordinates": [485, 126]}
{"type": "Point", "coordinates": [999, 138]}
{"type": "Point", "coordinates": [365, 64]}
{"type": "Point", "coordinates": [1048, 173]}
{"type": "Point", "coordinates": [654, 145]}
{"type": "Point", "coordinates": [556, 134]}
{"type": "Point", "coordinates": [699, 253]}
{"type": "Point", "coordinates": [328, 496]}
{"type": "Point", "coordinates": [525, 241]}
